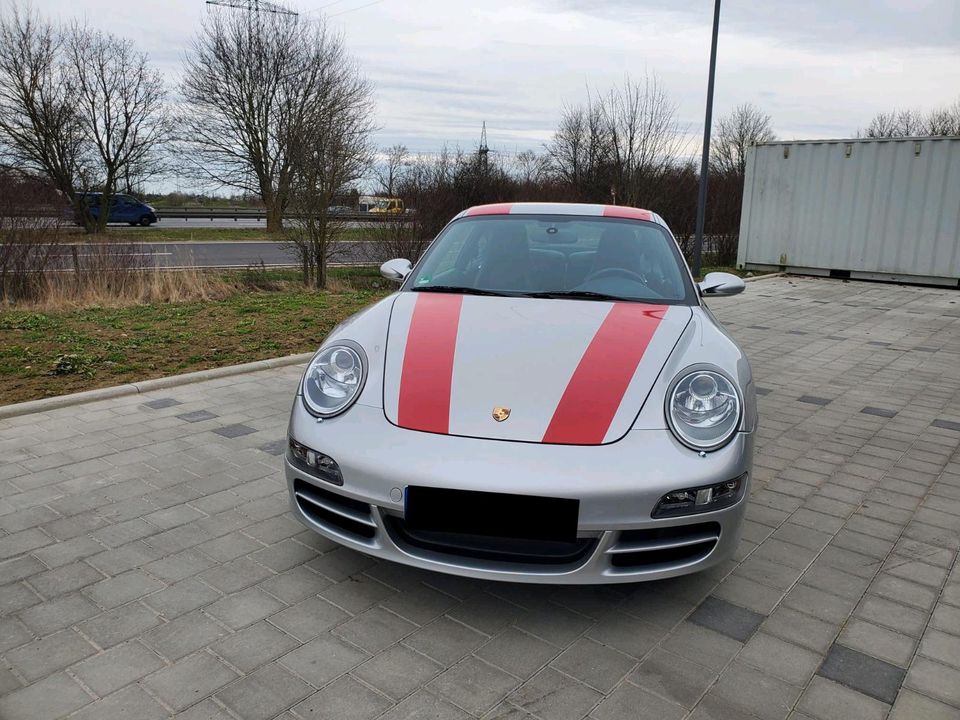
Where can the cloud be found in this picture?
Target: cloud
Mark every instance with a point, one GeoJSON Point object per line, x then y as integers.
{"type": "Point", "coordinates": [821, 68]}
{"type": "Point", "coordinates": [812, 23]}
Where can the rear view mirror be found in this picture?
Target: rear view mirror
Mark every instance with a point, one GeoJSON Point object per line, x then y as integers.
{"type": "Point", "coordinates": [396, 269]}
{"type": "Point", "coordinates": [720, 283]}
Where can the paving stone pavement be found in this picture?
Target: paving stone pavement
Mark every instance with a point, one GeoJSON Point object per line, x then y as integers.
{"type": "Point", "coordinates": [149, 566]}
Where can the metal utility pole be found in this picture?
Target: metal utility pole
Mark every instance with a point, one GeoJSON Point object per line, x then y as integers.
{"type": "Point", "coordinates": [254, 6]}
{"type": "Point", "coordinates": [484, 150]}
{"type": "Point", "coordinates": [705, 161]}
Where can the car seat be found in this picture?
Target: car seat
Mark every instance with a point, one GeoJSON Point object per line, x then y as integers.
{"type": "Point", "coordinates": [505, 259]}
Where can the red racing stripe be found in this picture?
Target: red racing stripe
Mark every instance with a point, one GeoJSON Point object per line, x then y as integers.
{"type": "Point", "coordinates": [427, 373]}
{"type": "Point", "coordinates": [597, 386]}
{"type": "Point", "coordinates": [629, 213]}
{"type": "Point", "coordinates": [497, 209]}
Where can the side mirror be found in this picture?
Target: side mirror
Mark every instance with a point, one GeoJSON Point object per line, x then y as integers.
{"type": "Point", "coordinates": [396, 269]}
{"type": "Point", "coordinates": [720, 283]}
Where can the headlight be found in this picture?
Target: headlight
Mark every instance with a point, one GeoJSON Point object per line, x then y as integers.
{"type": "Point", "coordinates": [333, 379]}
{"type": "Point", "coordinates": [703, 408]}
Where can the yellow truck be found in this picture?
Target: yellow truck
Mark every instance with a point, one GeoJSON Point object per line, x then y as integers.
{"type": "Point", "coordinates": [381, 205]}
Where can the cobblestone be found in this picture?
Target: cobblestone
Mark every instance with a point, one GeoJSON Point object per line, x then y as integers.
{"type": "Point", "coordinates": [149, 566]}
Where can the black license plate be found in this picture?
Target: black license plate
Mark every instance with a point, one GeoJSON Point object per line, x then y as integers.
{"type": "Point", "coordinates": [470, 512]}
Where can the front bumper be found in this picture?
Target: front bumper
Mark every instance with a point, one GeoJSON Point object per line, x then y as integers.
{"type": "Point", "coordinates": [617, 485]}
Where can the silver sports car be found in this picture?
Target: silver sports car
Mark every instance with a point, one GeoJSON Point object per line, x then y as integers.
{"type": "Point", "coordinates": [545, 399]}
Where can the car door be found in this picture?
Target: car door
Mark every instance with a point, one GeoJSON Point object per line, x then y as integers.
{"type": "Point", "coordinates": [121, 209]}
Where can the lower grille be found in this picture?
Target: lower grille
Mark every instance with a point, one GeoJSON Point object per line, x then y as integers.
{"type": "Point", "coordinates": [489, 547]}
{"type": "Point", "coordinates": [336, 513]}
{"type": "Point", "coordinates": [664, 548]}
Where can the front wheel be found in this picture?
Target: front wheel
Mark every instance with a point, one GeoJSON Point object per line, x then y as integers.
{"type": "Point", "coordinates": [145, 221]}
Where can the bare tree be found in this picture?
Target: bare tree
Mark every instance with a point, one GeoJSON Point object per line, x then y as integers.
{"type": "Point", "coordinates": [390, 170]}
{"type": "Point", "coordinates": [616, 146]}
{"type": "Point", "coordinates": [896, 123]}
{"type": "Point", "coordinates": [330, 151]}
{"type": "Point", "coordinates": [579, 150]}
{"type": "Point", "coordinates": [29, 236]}
{"type": "Point", "coordinates": [744, 126]}
{"type": "Point", "coordinates": [251, 84]}
{"type": "Point", "coordinates": [640, 124]}
{"type": "Point", "coordinates": [40, 126]}
{"type": "Point", "coordinates": [945, 121]}
{"type": "Point", "coordinates": [120, 107]}
{"type": "Point", "coordinates": [531, 169]}
{"type": "Point", "coordinates": [942, 122]}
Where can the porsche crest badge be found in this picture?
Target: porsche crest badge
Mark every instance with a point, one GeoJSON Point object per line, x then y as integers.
{"type": "Point", "coordinates": [501, 413]}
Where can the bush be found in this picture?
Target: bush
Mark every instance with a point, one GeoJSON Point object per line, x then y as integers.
{"type": "Point", "coordinates": [29, 235]}
{"type": "Point", "coordinates": [256, 277]}
{"type": "Point", "coordinates": [399, 238]}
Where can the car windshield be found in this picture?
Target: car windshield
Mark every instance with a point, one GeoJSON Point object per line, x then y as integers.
{"type": "Point", "coordinates": [562, 256]}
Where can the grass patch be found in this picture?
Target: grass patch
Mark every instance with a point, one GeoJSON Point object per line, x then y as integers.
{"type": "Point", "coordinates": [71, 350]}
{"type": "Point", "coordinates": [260, 314]}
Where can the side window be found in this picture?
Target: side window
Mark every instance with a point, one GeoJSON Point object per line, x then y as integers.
{"type": "Point", "coordinates": [444, 258]}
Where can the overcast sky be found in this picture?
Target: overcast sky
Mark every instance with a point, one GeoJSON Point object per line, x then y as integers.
{"type": "Point", "coordinates": [820, 68]}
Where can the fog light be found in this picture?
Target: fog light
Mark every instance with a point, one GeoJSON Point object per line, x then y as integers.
{"type": "Point", "coordinates": [313, 462]}
{"type": "Point", "coordinates": [691, 501]}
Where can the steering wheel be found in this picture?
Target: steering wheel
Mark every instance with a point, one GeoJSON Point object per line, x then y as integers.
{"type": "Point", "coordinates": [607, 272]}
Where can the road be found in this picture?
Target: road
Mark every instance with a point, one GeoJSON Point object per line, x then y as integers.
{"type": "Point", "coordinates": [226, 253]}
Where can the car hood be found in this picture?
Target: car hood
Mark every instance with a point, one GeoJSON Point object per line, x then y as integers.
{"type": "Point", "coordinates": [552, 370]}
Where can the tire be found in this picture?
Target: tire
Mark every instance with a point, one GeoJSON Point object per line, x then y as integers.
{"type": "Point", "coordinates": [145, 221]}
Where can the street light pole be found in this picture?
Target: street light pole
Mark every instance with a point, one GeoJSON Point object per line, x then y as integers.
{"type": "Point", "coordinates": [705, 160]}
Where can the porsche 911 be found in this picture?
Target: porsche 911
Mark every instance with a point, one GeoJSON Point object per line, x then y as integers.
{"type": "Point", "coordinates": [545, 398]}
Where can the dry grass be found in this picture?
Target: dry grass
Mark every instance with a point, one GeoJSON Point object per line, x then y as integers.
{"type": "Point", "coordinates": [121, 288]}
{"type": "Point", "coordinates": [45, 352]}
{"type": "Point", "coordinates": [338, 284]}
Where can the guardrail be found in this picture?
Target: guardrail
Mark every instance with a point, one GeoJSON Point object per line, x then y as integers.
{"type": "Point", "coordinates": [220, 213]}
{"type": "Point", "coordinates": [230, 213]}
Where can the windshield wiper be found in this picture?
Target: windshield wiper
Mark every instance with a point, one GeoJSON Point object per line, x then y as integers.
{"type": "Point", "coordinates": [461, 290]}
{"type": "Point", "coordinates": [577, 295]}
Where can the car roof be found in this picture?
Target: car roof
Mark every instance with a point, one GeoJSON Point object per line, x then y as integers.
{"type": "Point", "coordinates": [542, 208]}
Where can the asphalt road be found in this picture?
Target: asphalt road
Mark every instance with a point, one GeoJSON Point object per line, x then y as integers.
{"type": "Point", "coordinates": [226, 253]}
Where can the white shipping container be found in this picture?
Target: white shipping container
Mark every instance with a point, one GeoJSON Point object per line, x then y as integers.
{"type": "Point", "coordinates": [874, 209]}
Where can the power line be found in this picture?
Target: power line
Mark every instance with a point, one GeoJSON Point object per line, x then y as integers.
{"type": "Point", "coordinates": [254, 6]}
{"type": "Point", "coordinates": [359, 7]}
{"type": "Point", "coordinates": [319, 10]}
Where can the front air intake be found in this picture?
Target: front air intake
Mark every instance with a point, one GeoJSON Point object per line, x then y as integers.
{"type": "Point", "coordinates": [664, 548]}
{"type": "Point", "coordinates": [336, 513]}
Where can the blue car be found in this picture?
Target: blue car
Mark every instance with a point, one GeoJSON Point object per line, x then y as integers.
{"type": "Point", "coordinates": [123, 209]}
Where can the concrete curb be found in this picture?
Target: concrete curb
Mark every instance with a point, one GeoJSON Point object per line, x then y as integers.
{"type": "Point", "coordinates": [764, 277]}
{"type": "Point", "coordinates": [61, 401]}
